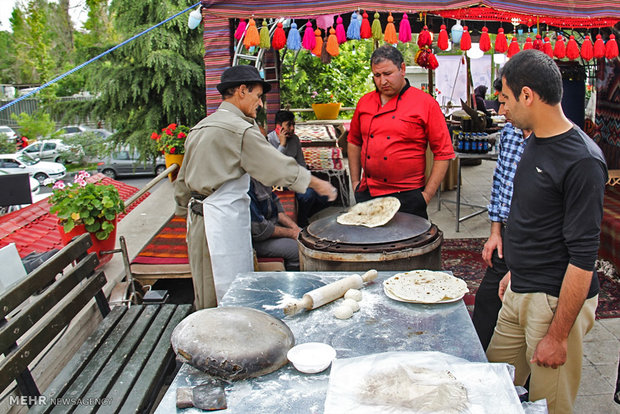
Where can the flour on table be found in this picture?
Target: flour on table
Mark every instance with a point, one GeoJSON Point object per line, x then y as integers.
{"type": "Point", "coordinates": [286, 299]}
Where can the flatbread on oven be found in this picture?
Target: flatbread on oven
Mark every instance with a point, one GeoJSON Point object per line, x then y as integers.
{"type": "Point", "coordinates": [425, 286]}
{"type": "Point", "coordinates": [372, 213]}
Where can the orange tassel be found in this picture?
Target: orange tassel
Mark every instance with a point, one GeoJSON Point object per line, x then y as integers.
{"type": "Point", "coordinates": [514, 48]}
{"type": "Point", "coordinates": [332, 43]}
{"type": "Point", "coordinates": [485, 40]}
{"type": "Point", "coordinates": [465, 39]}
{"type": "Point", "coordinates": [390, 35]}
{"type": "Point", "coordinates": [252, 38]}
{"type": "Point", "coordinates": [599, 47]}
{"type": "Point", "coordinates": [319, 43]}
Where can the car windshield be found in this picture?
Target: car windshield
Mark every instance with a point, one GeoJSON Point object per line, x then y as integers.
{"type": "Point", "coordinates": [26, 159]}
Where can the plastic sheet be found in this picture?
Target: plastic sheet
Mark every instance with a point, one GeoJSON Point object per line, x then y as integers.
{"type": "Point", "coordinates": [419, 382]}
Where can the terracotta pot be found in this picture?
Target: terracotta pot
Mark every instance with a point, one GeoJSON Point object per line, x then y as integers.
{"type": "Point", "coordinates": [326, 110]}
{"type": "Point", "coordinates": [173, 159]}
{"type": "Point", "coordinates": [98, 245]}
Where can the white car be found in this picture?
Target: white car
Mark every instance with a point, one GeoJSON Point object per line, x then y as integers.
{"type": "Point", "coordinates": [71, 130]}
{"type": "Point", "coordinates": [41, 170]}
{"type": "Point", "coordinates": [53, 150]}
{"type": "Point", "coordinates": [8, 131]}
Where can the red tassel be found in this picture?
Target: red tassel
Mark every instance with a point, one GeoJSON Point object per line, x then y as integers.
{"type": "Point", "coordinates": [341, 34]}
{"type": "Point", "coordinates": [485, 40]}
{"type": "Point", "coordinates": [404, 30]}
{"type": "Point", "coordinates": [365, 30]}
{"type": "Point", "coordinates": [559, 50]}
{"type": "Point", "coordinates": [442, 39]}
{"type": "Point", "coordinates": [332, 43]}
{"type": "Point", "coordinates": [501, 45]}
{"type": "Point", "coordinates": [432, 61]}
{"type": "Point", "coordinates": [599, 47]}
{"type": "Point", "coordinates": [538, 44]}
{"type": "Point", "coordinates": [240, 29]}
{"type": "Point", "coordinates": [424, 38]}
{"type": "Point", "coordinates": [465, 39]}
{"type": "Point", "coordinates": [528, 44]}
{"type": "Point", "coordinates": [279, 37]}
{"type": "Point", "coordinates": [390, 35]}
{"type": "Point", "coordinates": [547, 48]}
{"type": "Point", "coordinates": [318, 43]}
{"type": "Point", "coordinates": [309, 39]}
{"type": "Point", "coordinates": [572, 48]}
{"type": "Point", "coordinates": [514, 48]}
{"type": "Point", "coordinates": [587, 49]}
{"type": "Point", "coordinates": [252, 38]}
{"type": "Point", "coordinates": [611, 47]}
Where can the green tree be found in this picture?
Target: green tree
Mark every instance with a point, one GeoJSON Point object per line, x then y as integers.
{"type": "Point", "coordinates": [7, 51]}
{"type": "Point", "coordinates": [36, 126]}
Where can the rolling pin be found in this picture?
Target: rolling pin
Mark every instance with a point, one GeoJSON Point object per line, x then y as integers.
{"type": "Point", "coordinates": [328, 293]}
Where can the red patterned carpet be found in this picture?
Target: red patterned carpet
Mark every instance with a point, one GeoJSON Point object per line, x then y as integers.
{"type": "Point", "coordinates": [464, 258]}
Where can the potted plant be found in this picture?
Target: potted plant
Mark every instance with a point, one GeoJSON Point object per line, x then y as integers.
{"type": "Point", "coordinates": [87, 207]}
{"type": "Point", "coordinates": [325, 105]}
{"type": "Point", "coordinates": [171, 143]}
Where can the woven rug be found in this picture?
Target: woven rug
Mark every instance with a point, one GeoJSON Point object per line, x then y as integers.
{"type": "Point", "coordinates": [464, 258]}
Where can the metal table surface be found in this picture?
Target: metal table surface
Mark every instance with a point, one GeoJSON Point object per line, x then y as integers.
{"type": "Point", "coordinates": [381, 325]}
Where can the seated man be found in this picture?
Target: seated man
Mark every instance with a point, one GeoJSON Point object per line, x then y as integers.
{"type": "Point", "coordinates": [274, 234]}
{"type": "Point", "coordinates": [285, 140]}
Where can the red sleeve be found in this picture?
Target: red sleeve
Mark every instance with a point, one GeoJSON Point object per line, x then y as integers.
{"type": "Point", "coordinates": [438, 134]}
{"type": "Point", "coordinates": [355, 133]}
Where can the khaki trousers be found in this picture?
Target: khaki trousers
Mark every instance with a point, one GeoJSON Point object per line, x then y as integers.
{"type": "Point", "coordinates": [522, 322]}
{"type": "Point", "coordinates": [200, 263]}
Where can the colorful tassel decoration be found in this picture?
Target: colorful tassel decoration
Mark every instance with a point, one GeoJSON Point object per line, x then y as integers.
{"type": "Point", "coordinates": [279, 37]}
{"type": "Point", "coordinates": [599, 47]}
{"type": "Point", "coordinates": [528, 44]}
{"type": "Point", "coordinates": [377, 30]}
{"type": "Point", "coordinates": [547, 48]}
{"type": "Point", "coordinates": [318, 43]}
{"type": "Point", "coordinates": [485, 40]}
{"type": "Point", "coordinates": [611, 47]}
{"type": "Point", "coordinates": [293, 41]}
{"type": "Point", "coordinates": [365, 29]}
{"type": "Point", "coordinates": [341, 34]}
{"type": "Point", "coordinates": [432, 61]}
{"type": "Point", "coordinates": [326, 58]}
{"type": "Point", "coordinates": [572, 48]}
{"type": "Point", "coordinates": [587, 49]}
{"type": "Point", "coordinates": [240, 29]}
{"type": "Point", "coordinates": [332, 43]}
{"type": "Point", "coordinates": [501, 44]}
{"type": "Point", "coordinates": [465, 39]}
{"type": "Point", "coordinates": [252, 37]}
{"type": "Point", "coordinates": [309, 40]}
{"type": "Point", "coordinates": [514, 48]}
{"type": "Point", "coordinates": [265, 41]}
{"type": "Point", "coordinates": [538, 43]}
{"type": "Point", "coordinates": [404, 30]}
{"type": "Point", "coordinates": [390, 35]}
{"type": "Point", "coordinates": [559, 50]}
{"type": "Point", "coordinates": [424, 38]}
{"type": "Point", "coordinates": [353, 31]}
{"type": "Point", "coordinates": [442, 39]}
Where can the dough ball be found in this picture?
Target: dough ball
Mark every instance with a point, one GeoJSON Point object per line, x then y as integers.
{"type": "Point", "coordinates": [353, 294]}
{"type": "Point", "coordinates": [351, 304]}
{"type": "Point", "coordinates": [343, 312]}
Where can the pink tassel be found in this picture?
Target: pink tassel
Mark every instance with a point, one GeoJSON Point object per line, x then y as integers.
{"type": "Point", "coordinates": [309, 40]}
{"type": "Point", "coordinates": [240, 29]}
{"type": "Point", "coordinates": [404, 30]}
{"type": "Point", "coordinates": [341, 34]}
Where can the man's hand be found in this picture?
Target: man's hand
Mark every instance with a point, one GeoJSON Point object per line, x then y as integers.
{"type": "Point", "coordinates": [354, 184]}
{"type": "Point", "coordinates": [323, 188]}
{"type": "Point", "coordinates": [282, 135]}
{"type": "Point", "coordinates": [503, 285]}
{"type": "Point", "coordinates": [427, 197]}
{"type": "Point", "coordinates": [550, 352]}
{"type": "Point", "coordinates": [494, 242]}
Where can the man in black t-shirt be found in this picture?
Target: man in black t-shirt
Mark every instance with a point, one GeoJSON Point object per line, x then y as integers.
{"type": "Point", "coordinates": [551, 239]}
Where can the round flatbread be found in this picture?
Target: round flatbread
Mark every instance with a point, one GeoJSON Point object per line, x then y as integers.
{"type": "Point", "coordinates": [425, 286]}
{"type": "Point", "coordinates": [372, 213]}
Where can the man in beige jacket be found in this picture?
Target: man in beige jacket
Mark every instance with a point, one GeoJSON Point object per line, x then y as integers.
{"type": "Point", "coordinates": [221, 152]}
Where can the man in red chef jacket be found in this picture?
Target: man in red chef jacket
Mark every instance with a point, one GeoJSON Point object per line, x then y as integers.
{"type": "Point", "coordinates": [389, 134]}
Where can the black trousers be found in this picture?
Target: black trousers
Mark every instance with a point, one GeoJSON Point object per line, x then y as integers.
{"type": "Point", "coordinates": [411, 201]}
{"type": "Point", "coordinates": [487, 303]}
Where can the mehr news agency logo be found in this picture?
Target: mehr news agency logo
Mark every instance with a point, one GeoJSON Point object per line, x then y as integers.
{"type": "Point", "coordinates": [61, 401]}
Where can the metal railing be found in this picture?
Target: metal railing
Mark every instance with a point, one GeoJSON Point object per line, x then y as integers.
{"type": "Point", "coordinates": [151, 184]}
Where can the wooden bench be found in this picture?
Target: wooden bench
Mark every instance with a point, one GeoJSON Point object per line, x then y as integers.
{"type": "Point", "coordinates": [119, 368]}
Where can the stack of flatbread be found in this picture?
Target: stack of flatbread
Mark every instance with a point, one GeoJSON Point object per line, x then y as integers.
{"type": "Point", "coordinates": [425, 286]}
{"type": "Point", "coordinates": [372, 213]}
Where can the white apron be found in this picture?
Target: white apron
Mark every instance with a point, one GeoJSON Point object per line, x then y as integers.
{"type": "Point", "coordinates": [227, 226]}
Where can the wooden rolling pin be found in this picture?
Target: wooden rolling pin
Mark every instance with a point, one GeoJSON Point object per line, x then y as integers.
{"type": "Point", "coordinates": [328, 293]}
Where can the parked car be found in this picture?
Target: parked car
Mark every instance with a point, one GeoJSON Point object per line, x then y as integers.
{"type": "Point", "coordinates": [71, 130]}
{"type": "Point", "coordinates": [54, 150]}
{"type": "Point", "coordinates": [125, 162]}
{"type": "Point", "coordinates": [41, 170]}
{"type": "Point", "coordinates": [103, 133]}
{"type": "Point", "coordinates": [35, 192]}
{"type": "Point", "coordinates": [8, 131]}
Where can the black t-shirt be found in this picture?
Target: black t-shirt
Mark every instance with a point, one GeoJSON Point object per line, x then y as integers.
{"type": "Point", "coordinates": [556, 211]}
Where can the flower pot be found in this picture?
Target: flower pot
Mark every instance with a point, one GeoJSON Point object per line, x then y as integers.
{"type": "Point", "coordinates": [326, 110]}
{"type": "Point", "coordinates": [98, 245]}
{"type": "Point", "coordinates": [173, 159]}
